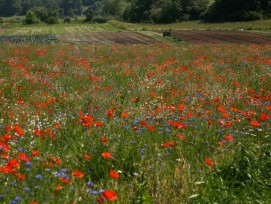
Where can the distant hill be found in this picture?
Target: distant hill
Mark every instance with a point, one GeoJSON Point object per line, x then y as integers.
{"type": "Point", "coordinates": [157, 11]}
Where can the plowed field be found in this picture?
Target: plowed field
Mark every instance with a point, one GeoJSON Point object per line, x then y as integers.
{"type": "Point", "coordinates": [221, 36]}
{"type": "Point", "coordinates": [108, 38]}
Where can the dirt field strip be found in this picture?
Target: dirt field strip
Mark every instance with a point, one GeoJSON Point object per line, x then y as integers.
{"type": "Point", "coordinates": [220, 36]}
{"type": "Point", "coordinates": [137, 38]}
{"type": "Point", "coordinates": [190, 36]}
{"type": "Point", "coordinates": [2, 30]}
{"type": "Point", "coordinates": [108, 38]}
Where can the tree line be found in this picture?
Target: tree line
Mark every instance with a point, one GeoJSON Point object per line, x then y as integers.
{"type": "Point", "coordinates": [156, 11]}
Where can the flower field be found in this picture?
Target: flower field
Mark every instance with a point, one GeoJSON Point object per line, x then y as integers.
{"type": "Point", "coordinates": [135, 124]}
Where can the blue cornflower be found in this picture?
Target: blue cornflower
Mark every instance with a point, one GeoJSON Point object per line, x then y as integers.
{"type": "Point", "coordinates": [90, 183]}
{"type": "Point", "coordinates": [27, 189]}
{"type": "Point", "coordinates": [28, 163]}
{"type": "Point", "coordinates": [18, 198]}
{"type": "Point", "coordinates": [19, 149]}
{"type": "Point", "coordinates": [92, 192]}
{"type": "Point", "coordinates": [38, 176]}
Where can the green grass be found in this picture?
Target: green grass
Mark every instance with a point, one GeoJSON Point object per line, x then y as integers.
{"type": "Point", "coordinates": [58, 29]}
{"type": "Point", "coordinates": [261, 25]}
{"type": "Point", "coordinates": [13, 26]}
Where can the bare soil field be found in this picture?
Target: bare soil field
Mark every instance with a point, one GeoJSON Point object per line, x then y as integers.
{"type": "Point", "coordinates": [220, 36]}
{"type": "Point", "coordinates": [2, 30]}
{"type": "Point", "coordinates": [125, 38]}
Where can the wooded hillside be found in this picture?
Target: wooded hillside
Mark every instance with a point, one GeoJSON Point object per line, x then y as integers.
{"type": "Point", "coordinates": [157, 11]}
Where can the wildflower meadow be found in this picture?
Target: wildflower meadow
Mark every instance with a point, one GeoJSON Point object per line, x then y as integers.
{"type": "Point", "coordinates": [162, 123]}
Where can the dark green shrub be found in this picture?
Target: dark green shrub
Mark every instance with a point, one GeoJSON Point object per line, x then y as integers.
{"type": "Point", "coordinates": [67, 20]}
{"type": "Point", "coordinates": [31, 18]}
{"type": "Point", "coordinates": [89, 15]}
{"type": "Point", "coordinates": [52, 20]}
{"type": "Point", "coordinates": [100, 20]}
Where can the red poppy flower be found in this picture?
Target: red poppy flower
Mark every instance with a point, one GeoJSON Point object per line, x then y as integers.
{"type": "Point", "coordinates": [189, 115]}
{"type": "Point", "coordinates": [56, 160]}
{"type": "Point", "coordinates": [99, 123]}
{"type": "Point", "coordinates": [255, 124]}
{"type": "Point", "coordinates": [7, 128]}
{"type": "Point", "coordinates": [181, 107]}
{"type": "Point", "coordinates": [104, 139]}
{"type": "Point", "coordinates": [49, 132]}
{"type": "Point", "coordinates": [7, 169]}
{"type": "Point", "coordinates": [78, 174]}
{"type": "Point", "coordinates": [110, 112]}
{"type": "Point", "coordinates": [87, 124]}
{"type": "Point", "coordinates": [228, 138]}
{"type": "Point", "coordinates": [135, 99]}
{"type": "Point", "coordinates": [101, 200]}
{"type": "Point", "coordinates": [23, 157]}
{"type": "Point", "coordinates": [182, 117]}
{"type": "Point", "coordinates": [221, 108]}
{"type": "Point", "coordinates": [107, 155]}
{"type": "Point", "coordinates": [65, 180]}
{"type": "Point", "coordinates": [57, 124]}
{"type": "Point", "coordinates": [4, 156]}
{"type": "Point", "coordinates": [87, 156]}
{"type": "Point", "coordinates": [221, 143]}
{"type": "Point", "coordinates": [237, 120]}
{"type": "Point", "coordinates": [6, 137]}
{"type": "Point", "coordinates": [143, 123]}
{"type": "Point", "coordinates": [21, 176]}
{"type": "Point", "coordinates": [58, 187]}
{"type": "Point", "coordinates": [87, 120]}
{"type": "Point", "coordinates": [263, 117]}
{"type": "Point", "coordinates": [151, 128]}
{"type": "Point", "coordinates": [124, 115]}
{"type": "Point", "coordinates": [172, 144]}
{"type": "Point", "coordinates": [35, 153]}
{"type": "Point", "coordinates": [113, 174]}
{"type": "Point", "coordinates": [110, 195]}
{"type": "Point", "coordinates": [228, 124]}
{"type": "Point", "coordinates": [18, 130]}
{"type": "Point", "coordinates": [39, 132]}
{"type": "Point", "coordinates": [181, 136]}
{"type": "Point", "coordinates": [216, 100]}
{"type": "Point", "coordinates": [14, 163]}
{"type": "Point", "coordinates": [4, 147]}
{"type": "Point", "coordinates": [221, 122]}
{"type": "Point", "coordinates": [209, 162]}
{"type": "Point", "coordinates": [226, 115]}
{"type": "Point", "coordinates": [234, 110]}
